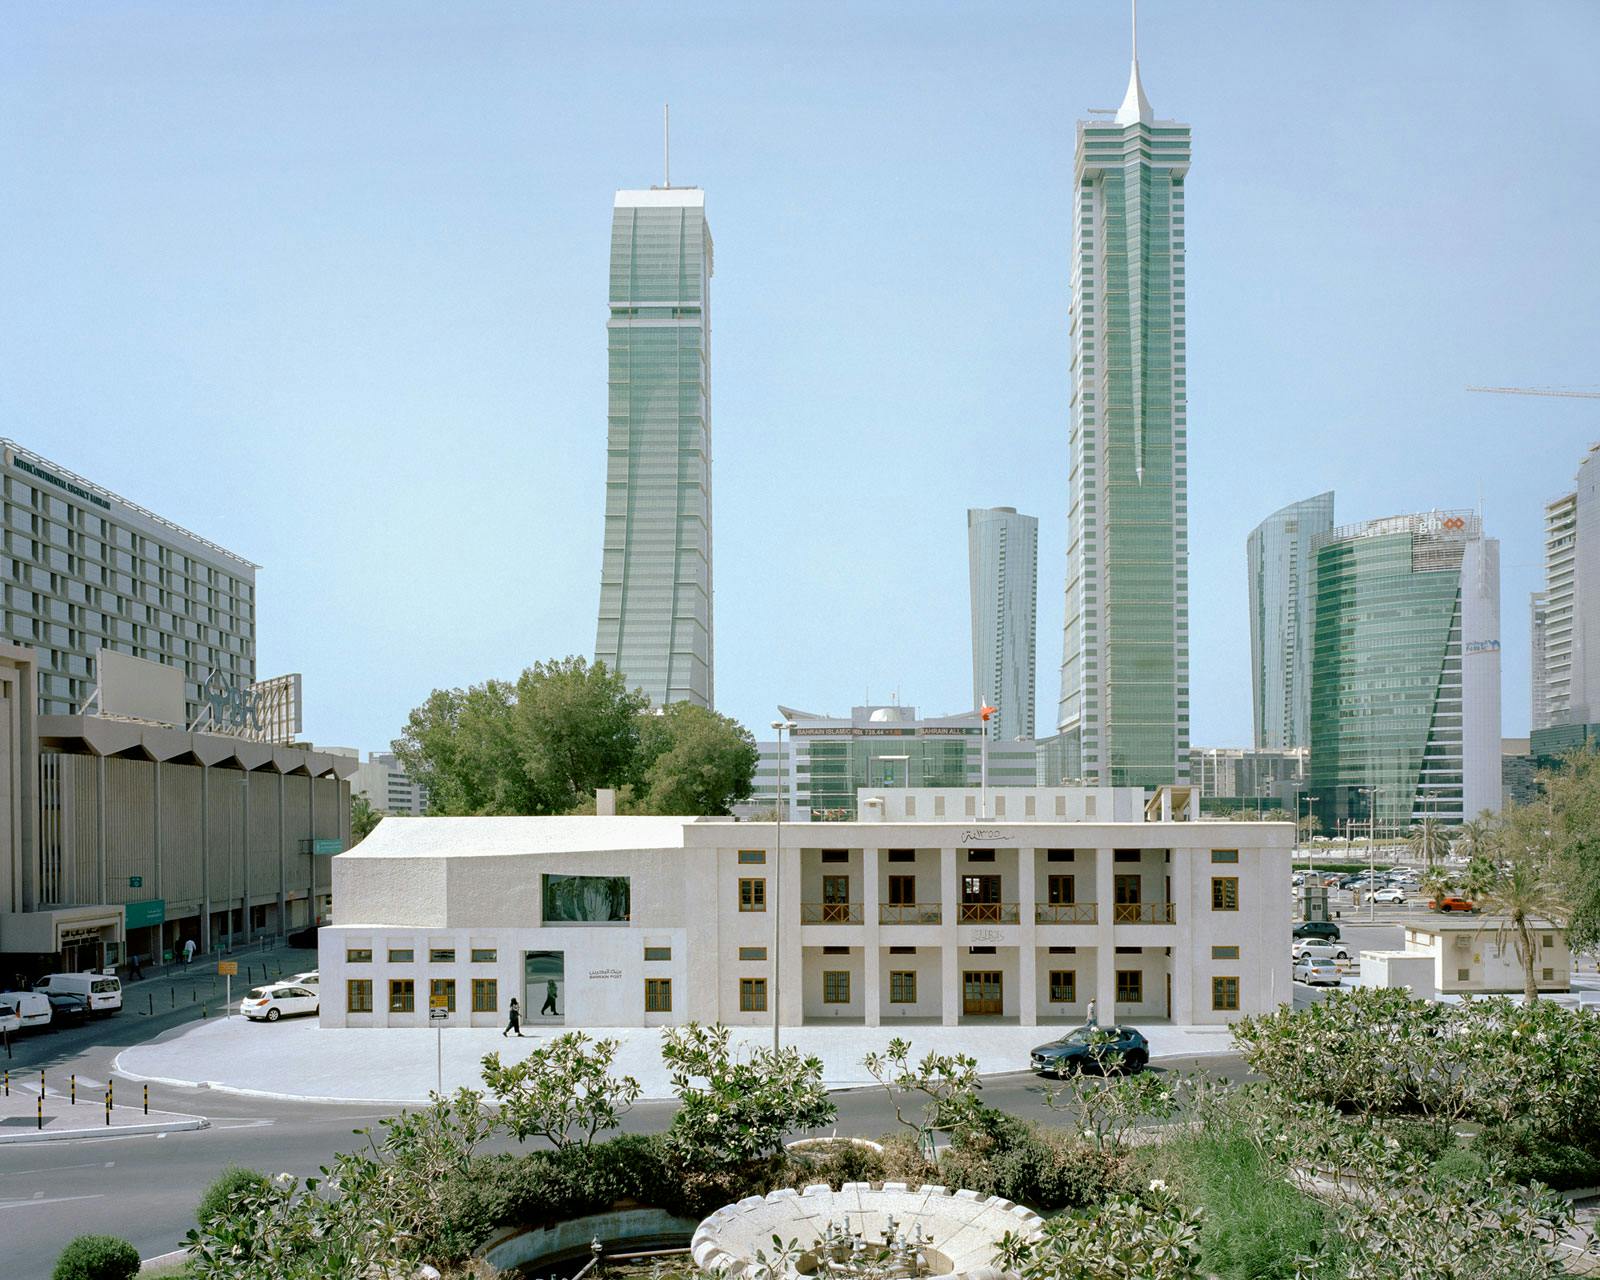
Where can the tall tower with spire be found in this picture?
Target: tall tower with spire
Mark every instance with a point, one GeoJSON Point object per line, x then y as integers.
{"type": "Point", "coordinates": [1124, 710]}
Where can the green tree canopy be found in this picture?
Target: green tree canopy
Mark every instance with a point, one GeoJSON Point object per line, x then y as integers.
{"type": "Point", "coordinates": [564, 729]}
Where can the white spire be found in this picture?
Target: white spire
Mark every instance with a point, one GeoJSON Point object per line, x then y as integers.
{"type": "Point", "coordinates": [1135, 106]}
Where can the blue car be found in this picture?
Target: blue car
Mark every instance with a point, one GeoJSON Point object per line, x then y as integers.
{"type": "Point", "coordinates": [1099, 1049]}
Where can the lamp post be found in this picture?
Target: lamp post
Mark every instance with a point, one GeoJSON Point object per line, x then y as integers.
{"type": "Point", "coordinates": [1309, 801]}
{"type": "Point", "coordinates": [984, 713]}
{"type": "Point", "coordinates": [1372, 838]}
{"type": "Point", "coordinates": [777, 880]}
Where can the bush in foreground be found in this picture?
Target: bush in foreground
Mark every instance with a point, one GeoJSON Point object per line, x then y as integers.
{"type": "Point", "coordinates": [229, 1185]}
{"type": "Point", "coordinates": [97, 1258]}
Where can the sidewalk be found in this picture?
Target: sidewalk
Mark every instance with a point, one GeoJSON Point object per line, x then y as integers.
{"type": "Point", "coordinates": [299, 1059]}
{"type": "Point", "coordinates": [20, 1112]}
{"type": "Point", "coordinates": [177, 986]}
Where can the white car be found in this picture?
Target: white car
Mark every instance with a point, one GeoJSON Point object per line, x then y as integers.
{"type": "Point", "coordinates": [31, 1008]}
{"type": "Point", "coordinates": [1314, 972]}
{"type": "Point", "coordinates": [308, 979]}
{"type": "Point", "coordinates": [1389, 895]}
{"type": "Point", "coordinates": [278, 1001]}
{"type": "Point", "coordinates": [1307, 949]}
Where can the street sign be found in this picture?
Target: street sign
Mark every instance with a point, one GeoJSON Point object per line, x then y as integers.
{"type": "Point", "coordinates": [227, 968]}
{"type": "Point", "coordinates": [438, 1000]}
{"type": "Point", "coordinates": [438, 1015]}
{"type": "Point", "coordinates": [135, 882]}
{"type": "Point", "coordinates": [141, 915]}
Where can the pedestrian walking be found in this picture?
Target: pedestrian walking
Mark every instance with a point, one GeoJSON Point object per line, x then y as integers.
{"type": "Point", "coordinates": [514, 1020]}
{"type": "Point", "coordinates": [1090, 1020]}
{"type": "Point", "coordinates": [135, 973]}
{"type": "Point", "coordinates": [188, 951]}
{"type": "Point", "coordinates": [549, 1005]}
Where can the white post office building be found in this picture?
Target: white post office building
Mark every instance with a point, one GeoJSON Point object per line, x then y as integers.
{"type": "Point", "coordinates": [633, 921]}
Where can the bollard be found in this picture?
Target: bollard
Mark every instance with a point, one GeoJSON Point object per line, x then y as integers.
{"type": "Point", "coordinates": [152, 996]}
{"type": "Point", "coordinates": [203, 1012]}
{"type": "Point", "coordinates": [147, 1099]}
{"type": "Point", "coordinates": [74, 1088]}
{"type": "Point", "coordinates": [191, 995]}
{"type": "Point", "coordinates": [108, 1106]}
{"type": "Point", "coordinates": [41, 1110]}
{"type": "Point", "coordinates": [8, 1084]}
{"type": "Point", "coordinates": [41, 1081]}
{"type": "Point", "coordinates": [173, 992]}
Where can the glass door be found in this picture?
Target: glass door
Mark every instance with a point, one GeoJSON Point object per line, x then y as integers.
{"type": "Point", "coordinates": [981, 993]}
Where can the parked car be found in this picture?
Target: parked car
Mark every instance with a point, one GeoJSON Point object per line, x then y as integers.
{"type": "Point", "coordinates": [101, 991]}
{"type": "Point", "coordinates": [1329, 951]}
{"type": "Point", "coordinates": [1315, 972]}
{"type": "Point", "coordinates": [1350, 882]}
{"type": "Point", "coordinates": [32, 1007]}
{"type": "Point", "coordinates": [1092, 1048]}
{"type": "Point", "coordinates": [67, 1008]}
{"type": "Point", "coordinates": [277, 1001]}
{"type": "Point", "coordinates": [1322, 930]}
{"type": "Point", "coordinates": [1389, 895]}
{"type": "Point", "coordinates": [1451, 902]}
{"type": "Point", "coordinates": [309, 979]}
{"type": "Point", "coordinates": [10, 1018]}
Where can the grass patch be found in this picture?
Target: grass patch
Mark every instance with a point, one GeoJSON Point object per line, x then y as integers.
{"type": "Point", "coordinates": [1255, 1223]}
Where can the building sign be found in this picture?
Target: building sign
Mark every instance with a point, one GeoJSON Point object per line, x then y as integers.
{"type": "Point", "coordinates": [267, 711]}
{"type": "Point", "coordinates": [66, 937]}
{"type": "Point", "coordinates": [135, 882]}
{"type": "Point", "coordinates": [1481, 646]}
{"type": "Point", "coordinates": [327, 846]}
{"type": "Point", "coordinates": [141, 915]}
{"type": "Point", "coordinates": [227, 968]}
{"type": "Point", "coordinates": [986, 835]}
{"type": "Point", "coordinates": [596, 975]}
{"type": "Point", "coordinates": [49, 477]}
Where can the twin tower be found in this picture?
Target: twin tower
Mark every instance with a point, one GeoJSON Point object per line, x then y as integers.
{"type": "Point", "coordinates": [1124, 709]}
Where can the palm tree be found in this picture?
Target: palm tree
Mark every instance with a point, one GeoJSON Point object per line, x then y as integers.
{"type": "Point", "coordinates": [1526, 892]}
{"type": "Point", "coordinates": [1428, 842]}
{"type": "Point", "coordinates": [1437, 883]}
{"type": "Point", "coordinates": [1475, 835]}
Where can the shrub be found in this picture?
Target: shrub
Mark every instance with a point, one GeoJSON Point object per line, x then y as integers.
{"type": "Point", "coordinates": [836, 1164]}
{"type": "Point", "coordinates": [1047, 1169]}
{"type": "Point", "coordinates": [227, 1187]}
{"type": "Point", "coordinates": [1532, 1157]}
{"type": "Point", "coordinates": [97, 1258]}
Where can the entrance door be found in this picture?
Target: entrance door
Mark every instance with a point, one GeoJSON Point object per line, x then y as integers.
{"type": "Point", "coordinates": [835, 899]}
{"type": "Point", "coordinates": [980, 899]}
{"type": "Point", "coordinates": [544, 986]}
{"type": "Point", "coordinates": [1127, 891]}
{"type": "Point", "coordinates": [981, 992]}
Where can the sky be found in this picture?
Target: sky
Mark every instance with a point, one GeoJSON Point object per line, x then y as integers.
{"type": "Point", "coordinates": [326, 283]}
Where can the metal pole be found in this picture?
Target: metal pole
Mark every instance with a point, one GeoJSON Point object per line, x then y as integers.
{"type": "Point", "coordinates": [777, 889]}
{"type": "Point", "coordinates": [439, 1061]}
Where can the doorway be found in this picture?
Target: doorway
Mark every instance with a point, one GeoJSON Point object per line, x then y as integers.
{"type": "Point", "coordinates": [544, 987]}
{"type": "Point", "coordinates": [980, 899]}
{"type": "Point", "coordinates": [981, 992]}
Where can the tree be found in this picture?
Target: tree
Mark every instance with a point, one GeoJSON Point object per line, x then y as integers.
{"type": "Point", "coordinates": [692, 761]}
{"type": "Point", "coordinates": [1309, 826]}
{"type": "Point", "coordinates": [577, 729]}
{"type": "Point", "coordinates": [947, 1083]}
{"type": "Point", "coordinates": [563, 1092]}
{"type": "Point", "coordinates": [1475, 835]}
{"type": "Point", "coordinates": [461, 745]}
{"type": "Point", "coordinates": [1526, 891]}
{"type": "Point", "coordinates": [742, 1111]}
{"type": "Point", "coordinates": [363, 818]}
{"type": "Point", "coordinates": [1429, 842]}
{"type": "Point", "coordinates": [1571, 806]}
{"type": "Point", "coordinates": [1437, 883]}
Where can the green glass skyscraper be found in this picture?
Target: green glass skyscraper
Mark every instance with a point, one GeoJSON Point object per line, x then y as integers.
{"type": "Point", "coordinates": [1124, 710]}
{"type": "Point", "coordinates": [655, 578]}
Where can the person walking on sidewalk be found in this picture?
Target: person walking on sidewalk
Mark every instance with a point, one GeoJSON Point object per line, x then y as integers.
{"type": "Point", "coordinates": [549, 1005]}
{"type": "Point", "coordinates": [1091, 1020]}
{"type": "Point", "coordinates": [514, 1021]}
{"type": "Point", "coordinates": [188, 951]}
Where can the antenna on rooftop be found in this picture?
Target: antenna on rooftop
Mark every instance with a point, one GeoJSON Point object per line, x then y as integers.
{"type": "Point", "coordinates": [666, 145]}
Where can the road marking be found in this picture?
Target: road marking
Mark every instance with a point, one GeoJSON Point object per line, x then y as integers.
{"type": "Point", "coordinates": [28, 1204]}
{"type": "Point", "coordinates": [12, 1173]}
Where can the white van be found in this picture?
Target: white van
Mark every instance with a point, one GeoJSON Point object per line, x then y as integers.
{"type": "Point", "coordinates": [31, 1008]}
{"type": "Point", "coordinates": [101, 990]}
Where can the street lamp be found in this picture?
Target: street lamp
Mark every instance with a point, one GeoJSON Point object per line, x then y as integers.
{"type": "Point", "coordinates": [777, 879]}
{"type": "Point", "coordinates": [1372, 841]}
{"type": "Point", "coordinates": [1309, 801]}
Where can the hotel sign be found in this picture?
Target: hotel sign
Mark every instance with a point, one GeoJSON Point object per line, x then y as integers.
{"type": "Point", "coordinates": [49, 477]}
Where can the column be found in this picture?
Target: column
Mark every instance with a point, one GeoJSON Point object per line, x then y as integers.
{"type": "Point", "coordinates": [950, 950]}
{"type": "Point", "coordinates": [1027, 948]}
{"type": "Point", "coordinates": [205, 858]}
{"type": "Point", "coordinates": [283, 877]}
{"type": "Point", "coordinates": [100, 829]}
{"type": "Point", "coordinates": [1183, 961]}
{"type": "Point", "coordinates": [871, 975]}
{"type": "Point", "coordinates": [1105, 968]}
{"type": "Point", "coordinates": [311, 850]}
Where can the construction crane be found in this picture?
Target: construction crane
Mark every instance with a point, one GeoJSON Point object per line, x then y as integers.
{"type": "Point", "coordinates": [1539, 391]}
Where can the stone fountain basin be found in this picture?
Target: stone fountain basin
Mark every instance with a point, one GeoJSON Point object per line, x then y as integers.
{"type": "Point", "coordinates": [962, 1228]}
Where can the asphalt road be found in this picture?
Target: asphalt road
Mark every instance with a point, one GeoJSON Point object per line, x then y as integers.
{"type": "Point", "coordinates": [144, 1188]}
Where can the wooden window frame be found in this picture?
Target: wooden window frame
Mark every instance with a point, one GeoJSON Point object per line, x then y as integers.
{"type": "Point", "coordinates": [485, 995]}
{"type": "Point", "coordinates": [902, 981]}
{"type": "Point", "coordinates": [449, 985]}
{"type": "Point", "coordinates": [402, 995]}
{"type": "Point", "coordinates": [658, 995]}
{"type": "Point", "coordinates": [1225, 993]}
{"type": "Point", "coordinates": [358, 955]}
{"type": "Point", "coordinates": [835, 981]}
{"type": "Point", "coordinates": [1064, 978]}
{"type": "Point", "coordinates": [485, 955]}
{"type": "Point", "coordinates": [354, 987]}
{"type": "Point", "coordinates": [1136, 985]}
{"type": "Point", "coordinates": [753, 894]}
{"type": "Point", "coordinates": [1224, 898]}
{"type": "Point", "coordinates": [752, 995]}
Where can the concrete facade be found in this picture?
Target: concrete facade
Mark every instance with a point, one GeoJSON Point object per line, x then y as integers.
{"type": "Point", "coordinates": [1475, 957]}
{"type": "Point", "coordinates": [873, 923]}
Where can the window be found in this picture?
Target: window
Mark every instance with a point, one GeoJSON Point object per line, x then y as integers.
{"type": "Point", "coordinates": [1061, 806]}
{"type": "Point", "coordinates": [835, 951]}
{"type": "Point", "coordinates": [753, 995]}
{"type": "Point", "coordinates": [902, 891]}
{"type": "Point", "coordinates": [1063, 951]}
{"type": "Point", "coordinates": [586, 899]}
{"type": "Point", "coordinates": [1547, 975]}
{"type": "Point", "coordinates": [1130, 986]}
{"type": "Point", "coordinates": [484, 955]}
{"type": "Point", "coordinates": [1125, 855]}
{"type": "Point", "coordinates": [1224, 893]}
{"type": "Point", "coordinates": [902, 855]}
{"type": "Point", "coordinates": [1224, 953]}
{"type": "Point", "coordinates": [835, 893]}
{"type": "Point", "coordinates": [658, 953]}
{"type": "Point", "coordinates": [1060, 855]}
{"type": "Point", "coordinates": [835, 986]}
{"type": "Point", "coordinates": [911, 806]}
{"type": "Point", "coordinates": [752, 953]}
{"type": "Point", "coordinates": [1463, 975]}
{"type": "Point", "coordinates": [938, 806]}
{"type": "Point", "coordinates": [358, 995]}
{"type": "Point", "coordinates": [658, 995]}
{"type": "Point", "coordinates": [902, 951]}
{"type": "Point", "coordinates": [1061, 890]}
{"type": "Point", "coordinates": [442, 955]}
{"type": "Point", "coordinates": [442, 989]}
{"type": "Point", "coordinates": [1063, 986]}
{"type": "Point", "coordinates": [902, 986]}
{"type": "Point", "coordinates": [836, 855]}
{"type": "Point", "coordinates": [752, 857]}
{"type": "Point", "coordinates": [402, 995]}
{"type": "Point", "coordinates": [1224, 993]}
{"type": "Point", "coordinates": [980, 951]}
{"type": "Point", "coordinates": [401, 955]}
{"type": "Point", "coordinates": [999, 806]}
{"type": "Point", "coordinates": [752, 895]}
{"type": "Point", "coordinates": [485, 995]}
{"type": "Point", "coordinates": [1547, 940]}
{"type": "Point", "coordinates": [1224, 855]}
{"type": "Point", "coordinates": [358, 955]}
{"type": "Point", "coordinates": [980, 855]}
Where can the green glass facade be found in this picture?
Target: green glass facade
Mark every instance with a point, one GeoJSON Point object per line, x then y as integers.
{"type": "Point", "coordinates": [1124, 710]}
{"type": "Point", "coordinates": [655, 623]}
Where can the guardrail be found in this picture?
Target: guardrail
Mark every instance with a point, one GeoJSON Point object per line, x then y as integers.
{"type": "Point", "coordinates": [910, 913]}
{"type": "Point", "coordinates": [830, 913]}
{"type": "Point", "coordinates": [988, 913]}
{"type": "Point", "coordinates": [1145, 913]}
{"type": "Point", "coordinates": [1066, 912]}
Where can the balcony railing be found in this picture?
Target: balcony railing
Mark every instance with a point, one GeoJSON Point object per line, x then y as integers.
{"type": "Point", "coordinates": [830, 913]}
{"type": "Point", "coordinates": [1066, 912]}
{"type": "Point", "coordinates": [988, 913]}
{"type": "Point", "coordinates": [1145, 913]}
{"type": "Point", "coordinates": [909, 913]}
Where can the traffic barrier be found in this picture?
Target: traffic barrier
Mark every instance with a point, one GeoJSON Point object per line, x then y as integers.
{"type": "Point", "coordinates": [74, 1088]}
{"type": "Point", "coordinates": [41, 1110]}
{"type": "Point", "coordinates": [147, 1099]}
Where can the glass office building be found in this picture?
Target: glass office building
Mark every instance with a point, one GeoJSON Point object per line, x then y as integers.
{"type": "Point", "coordinates": [1279, 555]}
{"type": "Point", "coordinates": [1002, 568]}
{"type": "Point", "coordinates": [1124, 709]}
{"type": "Point", "coordinates": [1405, 672]}
{"type": "Point", "coordinates": [655, 624]}
{"type": "Point", "coordinates": [85, 569]}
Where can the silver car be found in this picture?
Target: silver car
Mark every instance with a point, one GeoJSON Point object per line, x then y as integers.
{"type": "Point", "coordinates": [1314, 972]}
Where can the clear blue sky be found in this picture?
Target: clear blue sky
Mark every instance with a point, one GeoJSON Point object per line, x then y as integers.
{"type": "Point", "coordinates": [326, 283]}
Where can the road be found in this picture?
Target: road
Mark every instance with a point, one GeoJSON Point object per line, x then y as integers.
{"type": "Point", "coordinates": [144, 1188]}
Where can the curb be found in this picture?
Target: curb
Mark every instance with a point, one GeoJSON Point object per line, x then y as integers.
{"type": "Point", "coordinates": [113, 1131]}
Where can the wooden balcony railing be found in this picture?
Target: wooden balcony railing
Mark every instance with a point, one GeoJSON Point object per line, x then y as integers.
{"type": "Point", "coordinates": [909, 913]}
{"type": "Point", "coordinates": [988, 913]}
{"type": "Point", "coordinates": [1144, 913]}
{"type": "Point", "coordinates": [1066, 912]}
{"type": "Point", "coordinates": [830, 913]}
